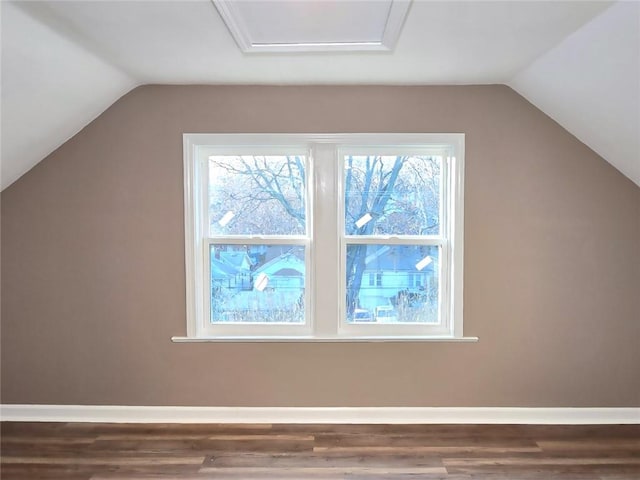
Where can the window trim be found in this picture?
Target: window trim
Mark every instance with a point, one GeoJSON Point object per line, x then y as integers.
{"type": "Point", "coordinates": [198, 241]}
{"type": "Point", "coordinates": [322, 324]}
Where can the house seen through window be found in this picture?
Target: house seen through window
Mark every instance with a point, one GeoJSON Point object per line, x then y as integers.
{"type": "Point", "coordinates": [274, 222]}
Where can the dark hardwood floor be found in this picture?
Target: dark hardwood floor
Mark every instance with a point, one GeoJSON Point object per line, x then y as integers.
{"type": "Point", "coordinates": [93, 451]}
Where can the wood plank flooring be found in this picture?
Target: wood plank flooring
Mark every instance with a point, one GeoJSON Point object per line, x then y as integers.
{"type": "Point", "coordinates": [90, 451]}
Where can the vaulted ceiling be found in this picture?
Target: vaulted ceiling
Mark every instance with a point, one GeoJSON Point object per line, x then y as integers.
{"type": "Point", "coordinates": [64, 62]}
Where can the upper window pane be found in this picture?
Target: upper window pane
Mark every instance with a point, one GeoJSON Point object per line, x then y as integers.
{"type": "Point", "coordinates": [257, 195]}
{"type": "Point", "coordinates": [392, 194]}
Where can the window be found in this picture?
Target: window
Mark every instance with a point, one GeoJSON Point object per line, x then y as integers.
{"type": "Point", "coordinates": [326, 237]}
{"type": "Point", "coordinates": [375, 279]}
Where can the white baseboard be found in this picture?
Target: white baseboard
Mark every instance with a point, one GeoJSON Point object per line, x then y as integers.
{"type": "Point", "coordinates": [354, 415]}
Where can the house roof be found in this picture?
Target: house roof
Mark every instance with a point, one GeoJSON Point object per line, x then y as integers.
{"type": "Point", "coordinates": [235, 259]}
{"type": "Point", "coordinates": [288, 272]}
{"type": "Point", "coordinates": [222, 269]}
{"type": "Point", "coordinates": [64, 62]}
{"type": "Point", "coordinates": [288, 261]}
{"type": "Point", "coordinates": [399, 258]}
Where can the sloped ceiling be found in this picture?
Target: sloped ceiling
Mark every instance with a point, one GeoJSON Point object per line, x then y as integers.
{"type": "Point", "coordinates": [51, 88]}
{"type": "Point", "coordinates": [590, 84]}
{"type": "Point", "coordinates": [64, 62]}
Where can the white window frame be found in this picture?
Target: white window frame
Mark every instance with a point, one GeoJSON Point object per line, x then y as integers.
{"type": "Point", "coordinates": [325, 287]}
{"type": "Point", "coordinates": [445, 325]}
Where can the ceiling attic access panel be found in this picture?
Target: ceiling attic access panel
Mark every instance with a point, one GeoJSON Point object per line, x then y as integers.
{"type": "Point", "coordinates": [314, 26]}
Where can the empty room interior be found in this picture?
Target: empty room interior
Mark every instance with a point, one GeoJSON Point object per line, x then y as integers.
{"type": "Point", "coordinates": [320, 239]}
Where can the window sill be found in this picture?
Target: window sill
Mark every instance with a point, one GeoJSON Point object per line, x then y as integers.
{"type": "Point", "coordinates": [301, 339]}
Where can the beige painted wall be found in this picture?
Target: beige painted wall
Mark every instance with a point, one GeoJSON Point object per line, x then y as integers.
{"type": "Point", "coordinates": [93, 270]}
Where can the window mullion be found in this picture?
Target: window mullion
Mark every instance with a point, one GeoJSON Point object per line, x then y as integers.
{"type": "Point", "coordinates": [326, 257]}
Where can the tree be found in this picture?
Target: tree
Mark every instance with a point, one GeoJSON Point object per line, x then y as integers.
{"type": "Point", "coordinates": [397, 194]}
{"type": "Point", "coordinates": [265, 194]}
{"type": "Point", "coordinates": [375, 185]}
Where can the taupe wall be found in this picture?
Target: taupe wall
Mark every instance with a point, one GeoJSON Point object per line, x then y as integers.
{"type": "Point", "coordinates": [93, 277]}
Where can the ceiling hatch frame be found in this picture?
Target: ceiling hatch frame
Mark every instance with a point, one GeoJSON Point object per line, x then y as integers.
{"type": "Point", "coordinates": [232, 17]}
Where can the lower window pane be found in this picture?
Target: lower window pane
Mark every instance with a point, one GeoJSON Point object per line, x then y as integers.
{"type": "Point", "coordinates": [392, 283]}
{"type": "Point", "coordinates": [257, 283]}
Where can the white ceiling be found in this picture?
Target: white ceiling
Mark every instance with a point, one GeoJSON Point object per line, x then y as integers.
{"type": "Point", "coordinates": [63, 62]}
